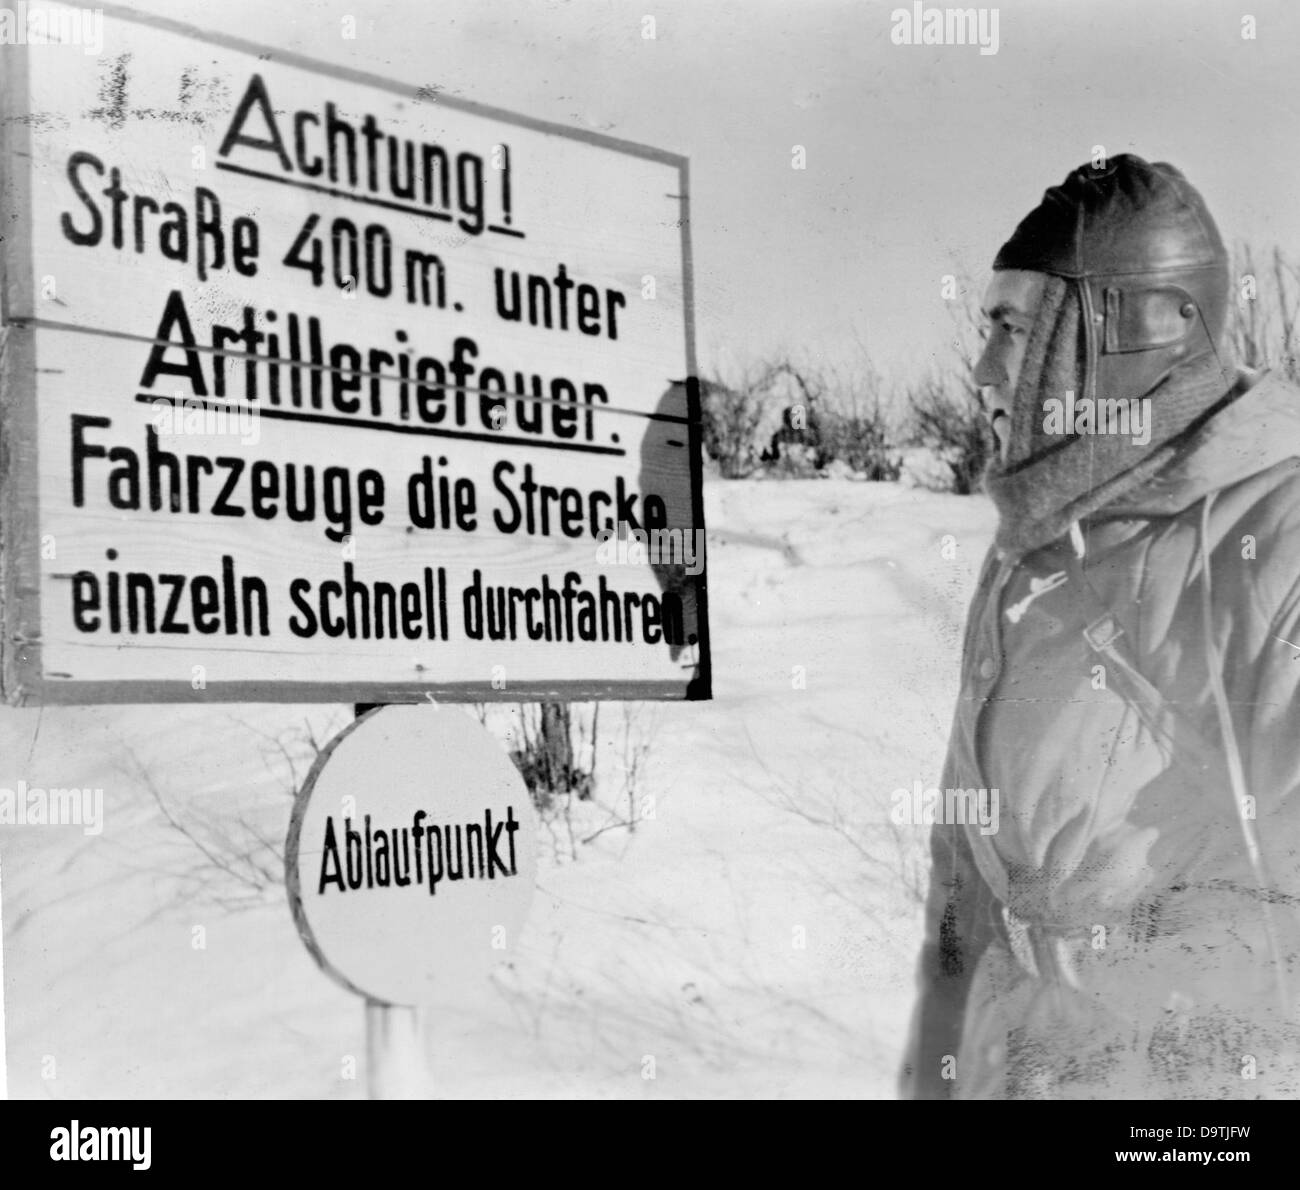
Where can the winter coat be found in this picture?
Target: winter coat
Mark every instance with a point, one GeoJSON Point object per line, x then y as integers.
{"type": "Point", "coordinates": [1111, 939]}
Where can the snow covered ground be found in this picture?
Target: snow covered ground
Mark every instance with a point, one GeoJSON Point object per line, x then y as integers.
{"type": "Point", "coordinates": [754, 937]}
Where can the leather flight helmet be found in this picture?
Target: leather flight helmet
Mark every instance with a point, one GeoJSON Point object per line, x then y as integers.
{"type": "Point", "coordinates": [1147, 262]}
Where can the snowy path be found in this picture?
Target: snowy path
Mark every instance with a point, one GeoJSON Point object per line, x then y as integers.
{"type": "Point", "coordinates": [755, 937]}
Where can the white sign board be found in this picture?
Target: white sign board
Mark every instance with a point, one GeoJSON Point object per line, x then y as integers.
{"type": "Point", "coordinates": [411, 856]}
{"type": "Point", "coordinates": [322, 387]}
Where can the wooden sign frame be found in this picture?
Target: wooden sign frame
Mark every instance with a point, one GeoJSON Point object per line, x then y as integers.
{"type": "Point", "coordinates": [23, 677]}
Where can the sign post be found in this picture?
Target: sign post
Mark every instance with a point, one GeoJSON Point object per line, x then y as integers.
{"type": "Point", "coordinates": [410, 867]}
{"type": "Point", "coordinates": [395, 1065]}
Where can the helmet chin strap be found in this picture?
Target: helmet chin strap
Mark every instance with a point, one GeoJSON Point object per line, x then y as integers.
{"type": "Point", "coordinates": [1092, 324]}
{"type": "Point", "coordinates": [1227, 370]}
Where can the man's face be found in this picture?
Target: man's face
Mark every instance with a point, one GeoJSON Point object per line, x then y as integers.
{"type": "Point", "coordinates": [1010, 305]}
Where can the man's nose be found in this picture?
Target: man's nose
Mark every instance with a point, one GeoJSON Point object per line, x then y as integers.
{"type": "Point", "coordinates": [989, 368]}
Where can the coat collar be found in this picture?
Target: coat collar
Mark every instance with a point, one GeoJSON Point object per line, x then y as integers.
{"type": "Point", "coordinates": [1258, 430]}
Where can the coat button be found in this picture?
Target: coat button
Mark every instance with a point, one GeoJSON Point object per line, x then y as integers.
{"type": "Point", "coordinates": [988, 667]}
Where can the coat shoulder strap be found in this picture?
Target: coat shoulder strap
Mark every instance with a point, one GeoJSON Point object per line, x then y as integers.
{"type": "Point", "coordinates": [1105, 636]}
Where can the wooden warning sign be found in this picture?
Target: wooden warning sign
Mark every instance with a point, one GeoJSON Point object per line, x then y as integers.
{"type": "Point", "coordinates": [322, 387]}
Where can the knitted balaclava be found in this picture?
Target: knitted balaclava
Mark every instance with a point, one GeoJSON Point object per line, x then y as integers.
{"type": "Point", "coordinates": [1129, 343]}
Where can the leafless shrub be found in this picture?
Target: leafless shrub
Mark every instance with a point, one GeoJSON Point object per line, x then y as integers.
{"type": "Point", "coordinates": [635, 741]}
{"type": "Point", "coordinates": [733, 419]}
{"type": "Point", "coordinates": [825, 415]}
{"type": "Point", "coordinates": [944, 412]}
{"type": "Point", "coordinates": [553, 745]}
{"type": "Point", "coordinates": [946, 419]}
{"type": "Point", "coordinates": [546, 755]}
{"type": "Point", "coordinates": [1265, 305]}
{"type": "Point", "coordinates": [230, 859]}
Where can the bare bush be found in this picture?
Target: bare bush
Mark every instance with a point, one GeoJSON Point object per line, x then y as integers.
{"type": "Point", "coordinates": [825, 416]}
{"type": "Point", "coordinates": [863, 442]}
{"type": "Point", "coordinates": [553, 745]}
{"type": "Point", "coordinates": [1264, 311]}
{"type": "Point", "coordinates": [229, 857]}
{"type": "Point", "coordinates": [549, 754]}
{"type": "Point", "coordinates": [946, 419]}
{"type": "Point", "coordinates": [944, 410]}
{"type": "Point", "coordinates": [733, 421]}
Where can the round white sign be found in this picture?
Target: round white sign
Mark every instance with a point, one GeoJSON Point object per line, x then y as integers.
{"type": "Point", "coordinates": [411, 854]}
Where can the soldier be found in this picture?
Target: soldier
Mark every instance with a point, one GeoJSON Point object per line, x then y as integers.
{"type": "Point", "coordinates": [1129, 681]}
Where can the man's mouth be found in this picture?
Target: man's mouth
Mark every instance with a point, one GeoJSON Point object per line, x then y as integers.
{"type": "Point", "coordinates": [1000, 424]}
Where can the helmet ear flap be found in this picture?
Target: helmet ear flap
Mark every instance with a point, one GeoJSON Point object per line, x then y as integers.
{"type": "Point", "coordinates": [1159, 316]}
{"type": "Point", "coordinates": [1139, 333]}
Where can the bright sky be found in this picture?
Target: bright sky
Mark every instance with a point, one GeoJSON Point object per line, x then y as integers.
{"type": "Point", "coordinates": [920, 159]}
